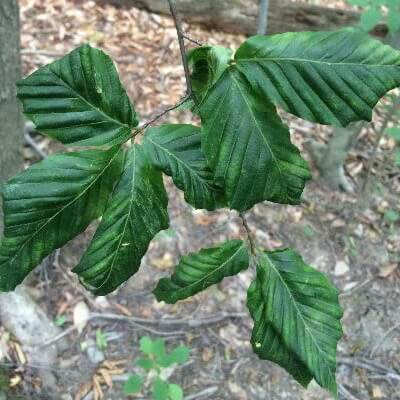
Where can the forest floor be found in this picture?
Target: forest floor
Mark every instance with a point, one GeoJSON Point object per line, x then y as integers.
{"type": "Point", "coordinates": [350, 237]}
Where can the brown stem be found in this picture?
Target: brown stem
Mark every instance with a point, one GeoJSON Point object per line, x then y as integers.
{"type": "Point", "coordinates": [179, 31]}
{"type": "Point", "coordinates": [250, 235]}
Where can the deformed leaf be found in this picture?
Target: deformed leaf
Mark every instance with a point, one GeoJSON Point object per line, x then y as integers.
{"type": "Point", "coordinates": [51, 203]}
{"type": "Point", "coordinates": [176, 150]}
{"type": "Point", "coordinates": [136, 213]}
{"type": "Point", "coordinates": [332, 78]}
{"type": "Point", "coordinates": [79, 100]}
{"type": "Point", "coordinates": [207, 63]}
{"type": "Point", "coordinates": [296, 316]}
{"type": "Point", "coordinates": [248, 146]}
{"type": "Point", "coordinates": [198, 271]}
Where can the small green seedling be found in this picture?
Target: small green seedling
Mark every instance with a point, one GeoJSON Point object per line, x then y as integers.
{"type": "Point", "coordinates": [101, 340]}
{"type": "Point", "coordinates": [155, 361]}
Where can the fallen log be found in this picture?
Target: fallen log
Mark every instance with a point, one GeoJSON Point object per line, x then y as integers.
{"type": "Point", "coordinates": [240, 16]}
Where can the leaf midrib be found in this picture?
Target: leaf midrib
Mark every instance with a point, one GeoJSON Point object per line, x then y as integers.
{"type": "Point", "coordinates": [256, 123]}
{"type": "Point", "coordinates": [213, 271]}
{"type": "Point", "coordinates": [31, 237]}
{"type": "Point", "coordinates": [294, 302]}
{"type": "Point", "coordinates": [128, 214]}
{"type": "Point", "coordinates": [304, 60]}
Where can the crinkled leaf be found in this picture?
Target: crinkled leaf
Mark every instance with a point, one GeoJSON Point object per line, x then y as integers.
{"type": "Point", "coordinates": [332, 78]}
{"type": "Point", "coordinates": [198, 271]}
{"type": "Point", "coordinates": [79, 100]}
{"type": "Point", "coordinates": [176, 150]}
{"type": "Point", "coordinates": [51, 203]}
{"type": "Point", "coordinates": [297, 317]}
{"type": "Point", "coordinates": [133, 385]}
{"type": "Point", "coordinates": [248, 146]}
{"type": "Point", "coordinates": [136, 213]}
{"type": "Point", "coordinates": [207, 63]}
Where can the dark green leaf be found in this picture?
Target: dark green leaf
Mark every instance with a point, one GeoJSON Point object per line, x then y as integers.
{"type": "Point", "coordinates": [160, 389]}
{"type": "Point", "coordinates": [207, 63]}
{"type": "Point", "coordinates": [198, 271]}
{"type": "Point", "coordinates": [248, 147]}
{"type": "Point", "coordinates": [136, 213]}
{"type": "Point", "coordinates": [176, 150]}
{"type": "Point", "coordinates": [332, 78]}
{"type": "Point", "coordinates": [133, 385]}
{"type": "Point", "coordinates": [79, 100]}
{"type": "Point", "coordinates": [297, 317]}
{"type": "Point", "coordinates": [50, 204]}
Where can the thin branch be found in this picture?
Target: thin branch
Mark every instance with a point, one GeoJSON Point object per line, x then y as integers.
{"type": "Point", "coordinates": [382, 339]}
{"type": "Point", "coordinates": [193, 40]}
{"type": "Point", "coordinates": [179, 31]}
{"type": "Point", "coordinates": [160, 115]}
{"type": "Point", "coordinates": [263, 17]}
{"type": "Point", "coordinates": [250, 236]}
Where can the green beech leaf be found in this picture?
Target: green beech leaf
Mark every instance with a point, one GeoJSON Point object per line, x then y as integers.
{"type": "Point", "coordinates": [136, 213]}
{"type": "Point", "coordinates": [248, 147]}
{"type": "Point", "coordinates": [207, 63]}
{"type": "Point", "coordinates": [297, 317]}
{"type": "Point", "coordinates": [51, 203]}
{"type": "Point", "coordinates": [370, 18]}
{"type": "Point", "coordinates": [176, 150]}
{"type": "Point", "coordinates": [393, 20]}
{"type": "Point", "coordinates": [198, 271]}
{"type": "Point", "coordinates": [79, 100]}
{"type": "Point", "coordinates": [332, 78]}
{"type": "Point", "coordinates": [133, 385]}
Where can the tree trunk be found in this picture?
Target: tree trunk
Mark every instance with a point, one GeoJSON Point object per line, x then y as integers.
{"type": "Point", "coordinates": [241, 16]}
{"type": "Point", "coordinates": [18, 312]}
{"type": "Point", "coordinates": [330, 158]}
